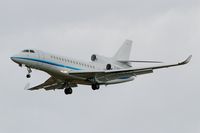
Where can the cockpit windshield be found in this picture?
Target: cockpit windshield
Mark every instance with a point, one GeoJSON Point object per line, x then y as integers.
{"type": "Point", "coordinates": [28, 51]}
{"type": "Point", "coordinates": [25, 51]}
{"type": "Point", "coordinates": [32, 51]}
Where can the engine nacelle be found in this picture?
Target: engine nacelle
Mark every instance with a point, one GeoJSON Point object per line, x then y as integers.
{"type": "Point", "coordinates": [93, 57]}
{"type": "Point", "coordinates": [100, 59]}
{"type": "Point", "coordinates": [108, 67]}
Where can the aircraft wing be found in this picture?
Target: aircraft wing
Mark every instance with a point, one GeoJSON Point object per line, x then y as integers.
{"type": "Point", "coordinates": [143, 70]}
{"type": "Point", "coordinates": [49, 84]}
{"type": "Point", "coordinates": [114, 74]}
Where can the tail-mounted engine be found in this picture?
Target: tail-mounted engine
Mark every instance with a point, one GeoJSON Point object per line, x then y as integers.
{"type": "Point", "coordinates": [108, 67]}
{"type": "Point", "coordinates": [93, 57]}
{"type": "Point", "coordinates": [102, 60]}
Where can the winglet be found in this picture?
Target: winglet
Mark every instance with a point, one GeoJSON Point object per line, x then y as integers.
{"type": "Point", "coordinates": [186, 61]}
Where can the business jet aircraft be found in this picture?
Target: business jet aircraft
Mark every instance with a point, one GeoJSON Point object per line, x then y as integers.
{"type": "Point", "coordinates": [67, 73]}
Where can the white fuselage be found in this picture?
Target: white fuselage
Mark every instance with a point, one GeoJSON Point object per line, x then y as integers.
{"type": "Point", "coordinates": [60, 67]}
{"type": "Point", "coordinates": [66, 73]}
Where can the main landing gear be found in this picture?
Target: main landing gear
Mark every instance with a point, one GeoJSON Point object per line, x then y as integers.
{"type": "Point", "coordinates": [29, 71]}
{"type": "Point", "coordinates": [95, 86]}
{"type": "Point", "coordinates": [68, 90]}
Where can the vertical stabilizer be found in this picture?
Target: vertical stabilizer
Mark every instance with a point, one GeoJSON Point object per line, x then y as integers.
{"type": "Point", "coordinates": [124, 52]}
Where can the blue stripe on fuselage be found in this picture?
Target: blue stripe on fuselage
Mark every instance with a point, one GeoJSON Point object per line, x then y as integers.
{"type": "Point", "coordinates": [56, 64]}
{"type": "Point", "coordinates": [48, 62]}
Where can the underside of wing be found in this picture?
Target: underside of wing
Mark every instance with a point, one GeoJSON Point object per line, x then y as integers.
{"type": "Point", "coordinates": [50, 84]}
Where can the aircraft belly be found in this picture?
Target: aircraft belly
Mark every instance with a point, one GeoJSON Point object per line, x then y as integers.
{"type": "Point", "coordinates": [63, 75]}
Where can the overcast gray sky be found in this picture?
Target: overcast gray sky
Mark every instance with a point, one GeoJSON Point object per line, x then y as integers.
{"type": "Point", "coordinates": [162, 102]}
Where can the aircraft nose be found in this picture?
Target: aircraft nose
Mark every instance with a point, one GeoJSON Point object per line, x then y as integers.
{"type": "Point", "coordinates": [16, 60]}
{"type": "Point", "coordinates": [12, 58]}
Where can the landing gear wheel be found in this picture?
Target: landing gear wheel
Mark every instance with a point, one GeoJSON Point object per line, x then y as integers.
{"type": "Point", "coordinates": [68, 91]}
{"type": "Point", "coordinates": [28, 75]}
{"type": "Point", "coordinates": [95, 86]}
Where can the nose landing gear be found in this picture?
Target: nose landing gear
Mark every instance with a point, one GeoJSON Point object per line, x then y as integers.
{"type": "Point", "coordinates": [29, 71]}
